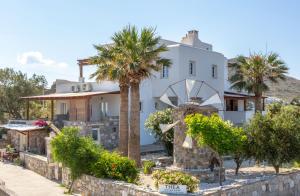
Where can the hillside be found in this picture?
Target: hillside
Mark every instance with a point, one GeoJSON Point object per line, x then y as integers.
{"type": "Point", "coordinates": [286, 90]}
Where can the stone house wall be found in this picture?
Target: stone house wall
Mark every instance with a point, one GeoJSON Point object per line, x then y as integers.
{"type": "Point", "coordinates": [36, 140]}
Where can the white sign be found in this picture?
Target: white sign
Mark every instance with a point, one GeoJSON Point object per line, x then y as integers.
{"type": "Point", "coordinates": [172, 189]}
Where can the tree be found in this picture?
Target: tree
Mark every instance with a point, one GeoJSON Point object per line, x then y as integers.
{"type": "Point", "coordinates": [152, 124]}
{"type": "Point", "coordinates": [15, 84]}
{"type": "Point", "coordinates": [275, 137]}
{"type": "Point", "coordinates": [217, 134]}
{"type": "Point", "coordinates": [77, 153]}
{"type": "Point", "coordinates": [142, 53]}
{"type": "Point", "coordinates": [251, 74]}
{"type": "Point", "coordinates": [112, 66]}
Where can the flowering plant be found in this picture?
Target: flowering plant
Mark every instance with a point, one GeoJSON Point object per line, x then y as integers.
{"type": "Point", "coordinates": [40, 123]}
{"type": "Point", "coordinates": [175, 177]}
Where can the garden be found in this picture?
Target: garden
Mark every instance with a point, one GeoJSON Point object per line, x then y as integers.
{"type": "Point", "coordinates": [265, 147]}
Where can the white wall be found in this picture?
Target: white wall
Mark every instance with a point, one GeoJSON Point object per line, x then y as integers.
{"type": "Point", "coordinates": [113, 102]}
{"type": "Point", "coordinates": [150, 89]}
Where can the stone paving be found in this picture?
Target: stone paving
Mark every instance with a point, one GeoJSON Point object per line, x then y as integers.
{"type": "Point", "coordinates": [27, 183]}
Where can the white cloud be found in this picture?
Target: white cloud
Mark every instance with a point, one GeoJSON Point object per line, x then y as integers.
{"type": "Point", "coordinates": [37, 58]}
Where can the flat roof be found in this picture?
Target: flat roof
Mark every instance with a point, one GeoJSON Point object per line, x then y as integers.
{"type": "Point", "coordinates": [61, 96]}
{"type": "Point", "coordinates": [21, 127]}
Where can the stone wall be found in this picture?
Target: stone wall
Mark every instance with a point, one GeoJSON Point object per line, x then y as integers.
{"type": "Point", "coordinates": [40, 165]}
{"type": "Point", "coordinates": [195, 158]}
{"type": "Point", "coordinates": [4, 191]}
{"type": "Point", "coordinates": [36, 140]}
{"type": "Point", "coordinates": [89, 185]}
{"type": "Point", "coordinates": [283, 185]}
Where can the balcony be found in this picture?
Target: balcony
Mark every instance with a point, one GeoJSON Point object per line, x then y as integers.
{"type": "Point", "coordinates": [238, 117]}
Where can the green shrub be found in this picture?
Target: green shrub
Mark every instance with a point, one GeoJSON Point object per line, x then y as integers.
{"type": "Point", "coordinates": [75, 152]}
{"type": "Point", "coordinates": [114, 166]}
{"type": "Point", "coordinates": [152, 124]}
{"type": "Point", "coordinates": [148, 166]}
{"type": "Point", "coordinates": [175, 177]}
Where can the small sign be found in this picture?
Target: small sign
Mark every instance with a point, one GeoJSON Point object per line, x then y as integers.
{"type": "Point", "coordinates": [172, 189]}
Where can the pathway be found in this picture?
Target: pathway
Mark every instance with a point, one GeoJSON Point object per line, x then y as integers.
{"type": "Point", "coordinates": [27, 183]}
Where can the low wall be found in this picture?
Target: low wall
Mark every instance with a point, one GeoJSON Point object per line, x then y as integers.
{"type": "Point", "coordinates": [4, 191]}
{"type": "Point", "coordinates": [283, 184]}
{"type": "Point", "coordinates": [89, 185]}
{"type": "Point", "coordinates": [40, 165]}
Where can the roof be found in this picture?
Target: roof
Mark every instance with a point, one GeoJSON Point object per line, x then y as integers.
{"type": "Point", "coordinates": [238, 95]}
{"type": "Point", "coordinates": [60, 96]}
{"type": "Point", "coordinates": [21, 127]}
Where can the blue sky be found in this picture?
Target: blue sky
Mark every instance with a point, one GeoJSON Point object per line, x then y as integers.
{"type": "Point", "coordinates": [47, 37]}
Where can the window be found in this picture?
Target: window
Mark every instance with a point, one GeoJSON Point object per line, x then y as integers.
{"type": "Point", "coordinates": [95, 134]}
{"type": "Point", "coordinates": [165, 72]}
{"type": "Point", "coordinates": [103, 108]}
{"type": "Point", "coordinates": [192, 68]}
{"type": "Point", "coordinates": [63, 108]}
{"type": "Point", "coordinates": [214, 71]}
{"type": "Point", "coordinates": [231, 105]}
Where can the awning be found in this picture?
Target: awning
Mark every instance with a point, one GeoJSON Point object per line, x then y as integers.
{"type": "Point", "coordinates": [61, 96]}
{"type": "Point", "coordinates": [21, 127]}
{"type": "Point", "coordinates": [239, 95]}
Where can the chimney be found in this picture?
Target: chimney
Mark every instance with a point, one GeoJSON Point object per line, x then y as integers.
{"type": "Point", "coordinates": [191, 38]}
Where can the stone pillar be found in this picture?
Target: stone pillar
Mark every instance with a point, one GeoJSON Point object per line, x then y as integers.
{"type": "Point", "coordinates": [195, 158]}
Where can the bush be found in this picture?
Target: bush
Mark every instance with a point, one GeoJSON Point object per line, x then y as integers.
{"type": "Point", "coordinates": [152, 125]}
{"type": "Point", "coordinates": [75, 152]}
{"type": "Point", "coordinates": [275, 137]}
{"type": "Point", "coordinates": [148, 166]}
{"type": "Point", "coordinates": [114, 166]}
{"type": "Point", "coordinates": [175, 177]}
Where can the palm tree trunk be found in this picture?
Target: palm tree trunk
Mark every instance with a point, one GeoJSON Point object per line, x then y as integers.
{"type": "Point", "coordinates": [258, 104]}
{"type": "Point", "coordinates": [123, 122]}
{"type": "Point", "coordinates": [134, 132]}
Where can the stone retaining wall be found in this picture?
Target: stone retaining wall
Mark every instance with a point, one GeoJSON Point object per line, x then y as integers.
{"type": "Point", "coordinates": [284, 185]}
{"type": "Point", "coordinates": [40, 165]}
{"type": "Point", "coordinates": [89, 185]}
{"type": "Point", "coordinates": [287, 184]}
{"type": "Point", "coordinates": [4, 191]}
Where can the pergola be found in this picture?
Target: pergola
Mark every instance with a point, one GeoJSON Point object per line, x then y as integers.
{"type": "Point", "coordinates": [64, 96]}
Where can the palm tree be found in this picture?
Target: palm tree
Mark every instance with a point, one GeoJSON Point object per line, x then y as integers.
{"type": "Point", "coordinates": [111, 67]}
{"type": "Point", "coordinates": [142, 53]}
{"type": "Point", "coordinates": [251, 74]}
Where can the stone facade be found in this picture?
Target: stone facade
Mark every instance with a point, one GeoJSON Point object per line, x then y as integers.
{"type": "Point", "coordinates": [108, 131]}
{"type": "Point", "coordinates": [36, 140]}
{"type": "Point", "coordinates": [197, 160]}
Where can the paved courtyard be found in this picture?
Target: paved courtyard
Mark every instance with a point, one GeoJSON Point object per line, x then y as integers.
{"type": "Point", "coordinates": [27, 183]}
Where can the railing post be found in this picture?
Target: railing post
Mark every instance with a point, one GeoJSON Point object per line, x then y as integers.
{"type": "Point", "coordinates": [52, 110]}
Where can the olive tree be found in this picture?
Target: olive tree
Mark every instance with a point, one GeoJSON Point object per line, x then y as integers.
{"type": "Point", "coordinates": [275, 137]}
{"type": "Point", "coordinates": [77, 153]}
{"type": "Point", "coordinates": [219, 135]}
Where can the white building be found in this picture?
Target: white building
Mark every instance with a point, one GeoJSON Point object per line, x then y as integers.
{"type": "Point", "coordinates": [191, 58]}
